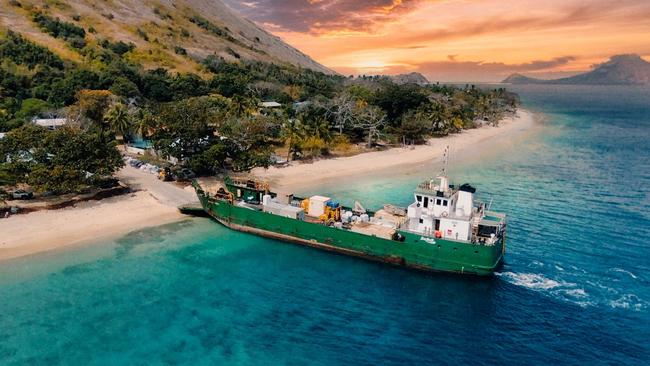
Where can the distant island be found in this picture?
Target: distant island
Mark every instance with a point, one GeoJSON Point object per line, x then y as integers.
{"type": "Point", "coordinates": [619, 70]}
{"type": "Point", "coordinates": [411, 78]}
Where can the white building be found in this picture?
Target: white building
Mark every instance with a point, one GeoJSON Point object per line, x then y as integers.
{"type": "Point", "coordinates": [270, 105]}
{"type": "Point", "coordinates": [50, 123]}
{"type": "Point", "coordinates": [2, 135]}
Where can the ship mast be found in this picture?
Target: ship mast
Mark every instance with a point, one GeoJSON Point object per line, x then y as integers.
{"type": "Point", "coordinates": [445, 164]}
{"type": "Point", "coordinates": [444, 181]}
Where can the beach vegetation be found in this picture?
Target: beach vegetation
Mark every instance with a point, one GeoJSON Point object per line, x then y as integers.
{"type": "Point", "coordinates": [119, 120]}
{"type": "Point", "coordinates": [93, 105]}
{"type": "Point", "coordinates": [61, 161]}
{"type": "Point", "coordinates": [292, 133]}
{"type": "Point", "coordinates": [213, 120]}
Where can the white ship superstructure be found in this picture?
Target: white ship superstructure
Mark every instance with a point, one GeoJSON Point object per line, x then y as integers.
{"type": "Point", "coordinates": [444, 211]}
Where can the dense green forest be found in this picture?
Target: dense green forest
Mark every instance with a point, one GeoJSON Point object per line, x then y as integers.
{"type": "Point", "coordinates": [211, 121]}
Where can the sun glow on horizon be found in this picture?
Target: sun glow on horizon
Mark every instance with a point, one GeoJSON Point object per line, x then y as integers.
{"type": "Point", "coordinates": [456, 39]}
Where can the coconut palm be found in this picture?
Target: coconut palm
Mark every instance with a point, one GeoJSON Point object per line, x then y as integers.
{"type": "Point", "coordinates": [143, 123]}
{"type": "Point", "coordinates": [119, 119]}
{"type": "Point", "coordinates": [293, 132]}
{"type": "Point", "coordinates": [241, 106]}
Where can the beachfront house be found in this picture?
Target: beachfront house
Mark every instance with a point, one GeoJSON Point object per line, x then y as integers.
{"type": "Point", "coordinates": [50, 123]}
{"type": "Point", "coordinates": [268, 108]}
{"type": "Point", "coordinates": [269, 105]}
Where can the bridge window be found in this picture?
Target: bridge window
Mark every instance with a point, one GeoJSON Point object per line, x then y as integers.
{"type": "Point", "coordinates": [426, 202]}
{"type": "Point", "coordinates": [438, 202]}
{"type": "Point", "coordinates": [444, 203]}
{"type": "Point", "coordinates": [419, 198]}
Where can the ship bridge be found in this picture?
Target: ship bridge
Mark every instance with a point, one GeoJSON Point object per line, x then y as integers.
{"type": "Point", "coordinates": [446, 211]}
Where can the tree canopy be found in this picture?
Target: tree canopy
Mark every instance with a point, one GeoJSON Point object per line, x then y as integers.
{"type": "Point", "coordinates": [211, 121]}
{"type": "Point", "coordinates": [60, 161]}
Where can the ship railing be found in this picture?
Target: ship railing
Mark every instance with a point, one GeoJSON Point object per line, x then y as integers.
{"type": "Point", "coordinates": [431, 235]}
{"type": "Point", "coordinates": [427, 186]}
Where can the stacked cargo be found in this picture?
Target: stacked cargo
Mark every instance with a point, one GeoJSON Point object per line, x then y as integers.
{"type": "Point", "coordinates": [277, 208]}
{"type": "Point", "coordinates": [317, 205]}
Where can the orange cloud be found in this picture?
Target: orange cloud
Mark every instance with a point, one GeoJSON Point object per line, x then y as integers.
{"type": "Point", "coordinates": [458, 40]}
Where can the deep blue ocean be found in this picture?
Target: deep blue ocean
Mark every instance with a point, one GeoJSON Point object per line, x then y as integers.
{"type": "Point", "coordinates": [574, 290]}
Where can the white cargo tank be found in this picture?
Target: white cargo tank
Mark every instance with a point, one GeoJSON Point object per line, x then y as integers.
{"type": "Point", "coordinates": [317, 205]}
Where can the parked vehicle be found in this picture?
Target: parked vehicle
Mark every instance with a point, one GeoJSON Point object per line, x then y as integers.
{"type": "Point", "coordinates": [184, 174]}
{"type": "Point", "coordinates": [20, 194]}
{"type": "Point", "coordinates": [165, 175]}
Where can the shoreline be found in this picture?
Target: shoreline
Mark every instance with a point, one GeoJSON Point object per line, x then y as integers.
{"type": "Point", "coordinates": [463, 145]}
{"type": "Point", "coordinates": [49, 230]}
{"type": "Point", "coordinates": [156, 203]}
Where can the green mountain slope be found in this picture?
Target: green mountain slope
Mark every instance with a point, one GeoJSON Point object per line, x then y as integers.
{"type": "Point", "coordinates": [171, 34]}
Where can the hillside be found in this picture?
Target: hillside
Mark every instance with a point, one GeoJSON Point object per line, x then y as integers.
{"type": "Point", "coordinates": [175, 35]}
{"type": "Point", "coordinates": [619, 70]}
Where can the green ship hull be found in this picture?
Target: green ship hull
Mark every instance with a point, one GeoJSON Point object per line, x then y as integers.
{"type": "Point", "coordinates": [413, 251]}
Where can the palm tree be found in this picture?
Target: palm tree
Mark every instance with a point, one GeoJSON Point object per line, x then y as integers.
{"type": "Point", "coordinates": [144, 123]}
{"type": "Point", "coordinates": [119, 120]}
{"type": "Point", "coordinates": [241, 106]}
{"type": "Point", "coordinates": [320, 128]}
{"type": "Point", "coordinates": [293, 131]}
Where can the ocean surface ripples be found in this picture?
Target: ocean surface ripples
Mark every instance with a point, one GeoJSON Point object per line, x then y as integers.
{"type": "Point", "coordinates": [574, 288]}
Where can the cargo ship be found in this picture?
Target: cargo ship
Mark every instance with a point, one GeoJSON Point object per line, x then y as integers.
{"type": "Point", "coordinates": [444, 230]}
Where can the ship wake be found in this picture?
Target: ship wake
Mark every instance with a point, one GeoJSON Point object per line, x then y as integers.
{"type": "Point", "coordinates": [566, 291]}
{"type": "Point", "coordinates": [574, 293]}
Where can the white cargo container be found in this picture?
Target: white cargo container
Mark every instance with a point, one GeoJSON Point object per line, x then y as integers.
{"type": "Point", "coordinates": [284, 210]}
{"type": "Point", "coordinates": [317, 205]}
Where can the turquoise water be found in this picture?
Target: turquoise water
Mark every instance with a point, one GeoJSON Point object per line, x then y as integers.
{"type": "Point", "coordinates": [574, 288]}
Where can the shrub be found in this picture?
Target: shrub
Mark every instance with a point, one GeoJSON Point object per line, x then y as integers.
{"type": "Point", "coordinates": [77, 42]}
{"type": "Point", "coordinates": [233, 53]}
{"type": "Point", "coordinates": [57, 28]}
{"type": "Point", "coordinates": [142, 34]}
{"type": "Point", "coordinates": [22, 52]}
{"type": "Point", "coordinates": [180, 50]}
{"type": "Point", "coordinates": [118, 47]}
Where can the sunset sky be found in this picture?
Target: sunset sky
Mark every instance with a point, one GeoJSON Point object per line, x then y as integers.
{"type": "Point", "coordinates": [457, 40]}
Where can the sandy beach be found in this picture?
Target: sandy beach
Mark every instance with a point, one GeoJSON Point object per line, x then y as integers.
{"type": "Point", "coordinates": [155, 202]}
{"type": "Point", "coordinates": [476, 141]}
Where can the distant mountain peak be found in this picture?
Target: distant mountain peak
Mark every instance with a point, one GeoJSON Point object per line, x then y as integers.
{"type": "Point", "coordinates": [625, 69]}
{"type": "Point", "coordinates": [410, 78]}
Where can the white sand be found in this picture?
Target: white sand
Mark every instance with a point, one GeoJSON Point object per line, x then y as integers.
{"type": "Point", "coordinates": [478, 141]}
{"type": "Point", "coordinates": [157, 203]}
{"type": "Point", "coordinates": [47, 230]}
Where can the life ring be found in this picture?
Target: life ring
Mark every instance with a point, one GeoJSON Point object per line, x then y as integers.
{"type": "Point", "coordinates": [444, 214]}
